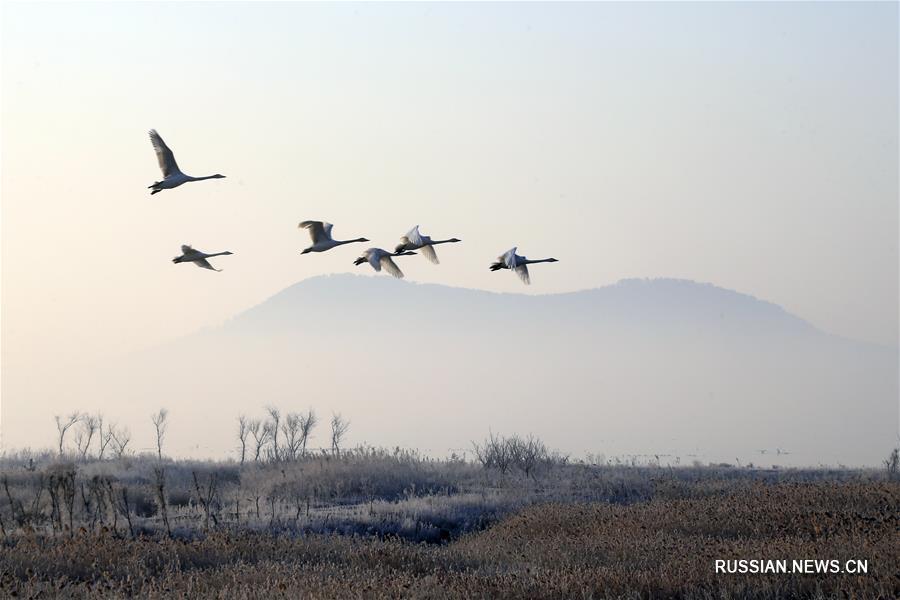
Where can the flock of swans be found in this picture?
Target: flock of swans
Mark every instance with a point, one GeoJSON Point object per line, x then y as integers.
{"type": "Point", "coordinates": [320, 232]}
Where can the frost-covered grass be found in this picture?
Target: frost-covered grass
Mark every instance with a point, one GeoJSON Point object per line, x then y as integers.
{"type": "Point", "coordinates": [664, 547]}
{"type": "Point", "coordinates": [363, 491]}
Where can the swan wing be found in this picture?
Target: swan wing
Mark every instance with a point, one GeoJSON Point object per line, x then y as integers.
{"type": "Point", "coordinates": [429, 253]}
{"type": "Point", "coordinates": [509, 258]}
{"type": "Point", "coordinates": [316, 230]}
{"type": "Point", "coordinates": [373, 255]}
{"type": "Point", "coordinates": [522, 272]}
{"type": "Point", "coordinates": [164, 155]}
{"type": "Point", "coordinates": [414, 236]}
{"type": "Point", "coordinates": [192, 253]}
{"type": "Point", "coordinates": [327, 229]}
{"type": "Point", "coordinates": [391, 267]}
{"type": "Point", "coordinates": [204, 264]}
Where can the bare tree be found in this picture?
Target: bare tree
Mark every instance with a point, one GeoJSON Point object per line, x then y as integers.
{"type": "Point", "coordinates": [63, 425]}
{"type": "Point", "coordinates": [260, 435]}
{"type": "Point", "coordinates": [892, 463]}
{"type": "Point", "coordinates": [495, 453]}
{"type": "Point", "coordinates": [105, 436]}
{"type": "Point", "coordinates": [161, 424]}
{"type": "Point", "coordinates": [121, 502]}
{"type": "Point", "coordinates": [85, 434]}
{"type": "Point", "coordinates": [274, 424]}
{"type": "Point", "coordinates": [243, 432]}
{"type": "Point", "coordinates": [527, 453]}
{"type": "Point", "coordinates": [160, 488]}
{"type": "Point", "coordinates": [208, 498]}
{"type": "Point", "coordinates": [292, 430]}
{"type": "Point", "coordinates": [339, 427]}
{"type": "Point", "coordinates": [307, 423]}
{"type": "Point", "coordinates": [120, 439]}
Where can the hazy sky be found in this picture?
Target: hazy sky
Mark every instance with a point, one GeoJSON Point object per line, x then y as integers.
{"type": "Point", "coordinates": [751, 145]}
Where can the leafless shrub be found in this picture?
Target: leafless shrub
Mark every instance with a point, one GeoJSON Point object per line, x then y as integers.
{"type": "Point", "coordinates": [494, 453]}
{"type": "Point", "coordinates": [527, 453]}
{"type": "Point", "coordinates": [120, 439]}
{"type": "Point", "coordinates": [122, 503]}
{"type": "Point", "coordinates": [892, 464]}
{"type": "Point", "coordinates": [160, 488]}
{"type": "Point", "coordinates": [61, 486]}
{"type": "Point", "coordinates": [207, 497]}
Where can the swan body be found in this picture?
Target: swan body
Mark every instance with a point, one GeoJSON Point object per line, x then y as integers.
{"type": "Point", "coordinates": [414, 240]}
{"type": "Point", "coordinates": [519, 264]}
{"type": "Point", "coordinates": [321, 237]}
{"type": "Point", "coordinates": [172, 175]}
{"type": "Point", "coordinates": [197, 257]}
{"type": "Point", "coordinates": [380, 258]}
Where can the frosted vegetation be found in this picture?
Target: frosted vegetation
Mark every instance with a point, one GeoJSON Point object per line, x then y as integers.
{"type": "Point", "coordinates": [92, 482]}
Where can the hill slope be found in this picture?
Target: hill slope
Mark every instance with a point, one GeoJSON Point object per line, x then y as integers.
{"type": "Point", "coordinates": [646, 367]}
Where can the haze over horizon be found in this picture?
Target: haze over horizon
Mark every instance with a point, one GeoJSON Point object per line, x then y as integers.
{"type": "Point", "coordinates": [674, 368]}
{"type": "Point", "coordinates": [753, 146]}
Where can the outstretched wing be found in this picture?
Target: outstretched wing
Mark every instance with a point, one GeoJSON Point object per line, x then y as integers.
{"type": "Point", "coordinates": [429, 253]}
{"type": "Point", "coordinates": [391, 267]}
{"type": "Point", "coordinates": [185, 249]}
{"type": "Point", "coordinates": [509, 258]}
{"type": "Point", "coordinates": [374, 258]}
{"type": "Point", "coordinates": [317, 230]}
{"type": "Point", "coordinates": [414, 236]}
{"type": "Point", "coordinates": [163, 155]}
{"type": "Point", "coordinates": [522, 272]}
{"type": "Point", "coordinates": [203, 263]}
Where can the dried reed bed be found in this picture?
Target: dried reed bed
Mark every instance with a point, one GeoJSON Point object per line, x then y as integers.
{"type": "Point", "coordinates": [664, 547]}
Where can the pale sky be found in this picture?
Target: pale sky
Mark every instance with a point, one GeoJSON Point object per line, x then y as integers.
{"type": "Point", "coordinates": [753, 145]}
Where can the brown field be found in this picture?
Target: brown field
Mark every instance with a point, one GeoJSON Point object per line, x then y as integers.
{"type": "Point", "coordinates": [663, 546]}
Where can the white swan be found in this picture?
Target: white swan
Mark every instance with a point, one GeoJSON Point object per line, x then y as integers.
{"type": "Point", "coordinates": [413, 240]}
{"type": "Point", "coordinates": [172, 175]}
{"type": "Point", "coordinates": [511, 260]}
{"type": "Point", "coordinates": [379, 258]}
{"type": "Point", "coordinates": [321, 237]}
{"type": "Point", "coordinates": [197, 257]}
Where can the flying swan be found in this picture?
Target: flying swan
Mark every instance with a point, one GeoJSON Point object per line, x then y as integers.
{"type": "Point", "coordinates": [197, 257]}
{"type": "Point", "coordinates": [172, 175]}
{"type": "Point", "coordinates": [379, 258]}
{"type": "Point", "coordinates": [519, 264]}
{"type": "Point", "coordinates": [321, 237]}
{"type": "Point", "coordinates": [413, 240]}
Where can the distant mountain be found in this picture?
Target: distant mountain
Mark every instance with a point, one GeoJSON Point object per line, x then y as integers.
{"type": "Point", "coordinates": [672, 304]}
{"type": "Point", "coordinates": [662, 366]}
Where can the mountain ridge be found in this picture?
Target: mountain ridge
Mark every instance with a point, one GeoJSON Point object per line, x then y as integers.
{"type": "Point", "coordinates": [664, 299]}
{"type": "Point", "coordinates": [641, 366]}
